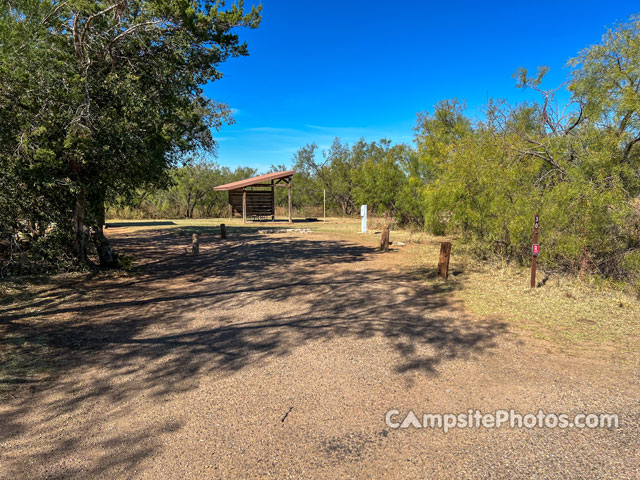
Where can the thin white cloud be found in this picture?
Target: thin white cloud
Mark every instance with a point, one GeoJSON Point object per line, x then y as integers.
{"type": "Point", "coordinates": [331, 129]}
{"type": "Point", "coordinates": [271, 130]}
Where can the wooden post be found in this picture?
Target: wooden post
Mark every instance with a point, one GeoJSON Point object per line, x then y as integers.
{"type": "Point", "coordinates": [223, 231]}
{"type": "Point", "coordinates": [195, 247]}
{"type": "Point", "coordinates": [244, 205]}
{"type": "Point", "coordinates": [384, 239]}
{"type": "Point", "coordinates": [443, 263]}
{"type": "Point", "coordinates": [535, 249]}
{"type": "Point", "coordinates": [324, 204]}
{"type": "Point", "coordinates": [290, 218]}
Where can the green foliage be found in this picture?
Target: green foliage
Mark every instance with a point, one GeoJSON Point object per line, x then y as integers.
{"type": "Point", "coordinates": [333, 174]}
{"type": "Point", "coordinates": [374, 173]}
{"type": "Point", "coordinates": [578, 166]}
{"type": "Point", "coordinates": [381, 177]}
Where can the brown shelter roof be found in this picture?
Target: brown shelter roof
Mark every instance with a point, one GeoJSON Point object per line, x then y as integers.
{"type": "Point", "coordinates": [255, 180]}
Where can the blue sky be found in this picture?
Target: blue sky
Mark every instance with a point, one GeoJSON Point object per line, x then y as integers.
{"type": "Point", "coordinates": [324, 69]}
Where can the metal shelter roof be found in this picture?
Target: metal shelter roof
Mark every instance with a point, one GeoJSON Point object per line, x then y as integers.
{"type": "Point", "coordinates": [259, 180]}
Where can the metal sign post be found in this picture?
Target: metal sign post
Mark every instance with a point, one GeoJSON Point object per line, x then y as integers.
{"type": "Point", "coordinates": [363, 214]}
{"type": "Point", "coordinates": [535, 250]}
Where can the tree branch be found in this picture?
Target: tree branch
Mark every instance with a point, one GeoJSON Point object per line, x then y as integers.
{"type": "Point", "coordinates": [132, 29]}
{"type": "Point", "coordinates": [91, 18]}
{"type": "Point", "coordinates": [628, 148]}
{"type": "Point", "coordinates": [547, 157]}
{"type": "Point", "coordinates": [52, 13]}
{"type": "Point", "coordinates": [576, 123]}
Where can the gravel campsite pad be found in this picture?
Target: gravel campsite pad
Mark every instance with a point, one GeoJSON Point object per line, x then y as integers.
{"type": "Point", "coordinates": [280, 355]}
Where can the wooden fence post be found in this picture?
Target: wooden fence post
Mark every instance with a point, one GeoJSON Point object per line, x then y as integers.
{"type": "Point", "coordinates": [384, 239]}
{"type": "Point", "coordinates": [223, 231]}
{"type": "Point", "coordinates": [195, 247]}
{"type": "Point", "coordinates": [443, 263]}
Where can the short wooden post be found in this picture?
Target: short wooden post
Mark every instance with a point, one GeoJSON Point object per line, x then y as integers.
{"type": "Point", "coordinates": [195, 247]}
{"type": "Point", "coordinates": [443, 263]}
{"type": "Point", "coordinates": [244, 205]}
{"type": "Point", "coordinates": [223, 231]}
{"type": "Point", "coordinates": [384, 239]}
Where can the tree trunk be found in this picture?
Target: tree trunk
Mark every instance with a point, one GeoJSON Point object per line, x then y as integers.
{"type": "Point", "coordinates": [186, 213]}
{"type": "Point", "coordinates": [343, 204]}
{"type": "Point", "coordinates": [79, 226]}
{"type": "Point", "coordinates": [107, 257]}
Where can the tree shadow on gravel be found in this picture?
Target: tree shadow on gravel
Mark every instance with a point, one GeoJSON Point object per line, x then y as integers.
{"type": "Point", "coordinates": [242, 302]}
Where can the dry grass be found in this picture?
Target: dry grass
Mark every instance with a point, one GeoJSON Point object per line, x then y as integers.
{"type": "Point", "coordinates": [339, 225]}
{"type": "Point", "coordinates": [566, 311]}
{"type": "Point", "coordinates": [575, 315]}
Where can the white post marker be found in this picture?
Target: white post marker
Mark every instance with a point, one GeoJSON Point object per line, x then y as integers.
{"type": "Point", "coordinates": [363, 214]}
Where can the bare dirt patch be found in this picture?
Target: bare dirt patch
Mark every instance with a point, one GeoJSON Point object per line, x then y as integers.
{"type": "Point", "coordinates": [278, 355]}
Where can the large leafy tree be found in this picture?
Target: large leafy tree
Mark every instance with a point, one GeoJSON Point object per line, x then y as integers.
{"type": "Point", "coordinates": [380, 178]}
{"type": "Point", "coordinates": [101, 97]}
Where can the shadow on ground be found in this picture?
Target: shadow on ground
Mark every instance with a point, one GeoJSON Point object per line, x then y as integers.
{"type": "Point", "coordinates": [241, 302]}
{"type": "Point", "coordinates": [140, 223]}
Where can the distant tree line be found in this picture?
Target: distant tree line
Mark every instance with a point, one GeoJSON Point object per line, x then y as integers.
{"type": "Point", "coordinates": [189, 194]}
{"type": "Point", "coordinates": [376, 173]}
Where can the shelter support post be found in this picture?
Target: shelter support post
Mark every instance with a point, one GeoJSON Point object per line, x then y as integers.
{"type": "Point", "coordinates": [244, 205]}
{"type": "Point", "coordinates": [290, 218]}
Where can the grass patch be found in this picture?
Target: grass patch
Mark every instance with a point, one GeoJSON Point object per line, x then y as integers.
{"type": "Point", "coordinates": [573, 314]}
{"type": "Point", "coordinates": [24, 357]}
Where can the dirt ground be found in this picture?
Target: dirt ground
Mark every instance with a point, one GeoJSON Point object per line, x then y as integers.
{"type": "Point", "coordinates": [279, 356]}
